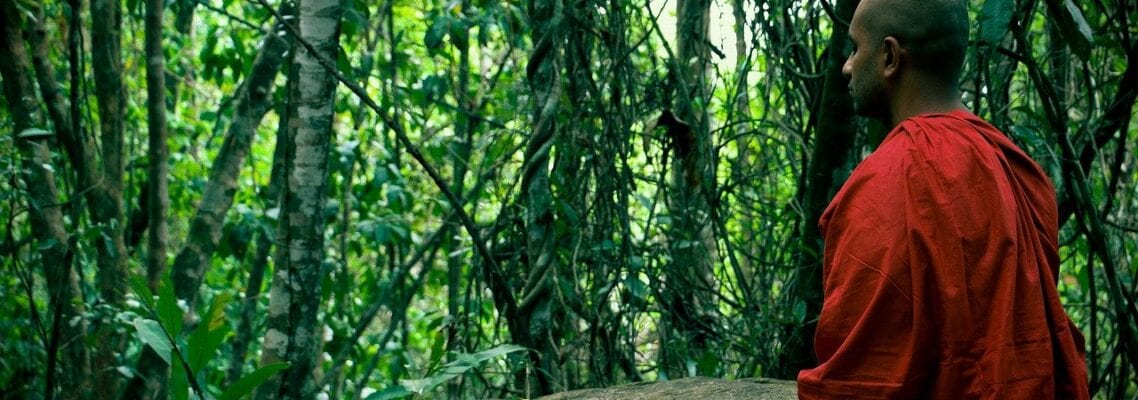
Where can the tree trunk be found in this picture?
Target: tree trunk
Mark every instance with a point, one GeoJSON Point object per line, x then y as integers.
{"type": "Point", "coordinates": [688, 326]}
{"type": "Point", "coordinates": [253, 102]}
{"type": "Point", "coordinates": [44, 212]}
{"type": "Point", "coordinates": [106, 53]}
{"type": "Point", "coordinates": [535, 308]}
{"type": "Point", "coordinates": [76, 362]}
{"type": "Point", "coordinates": [461, 148]}
{"type": "Point", "coordinates": [293, 334]}
{"type": "Point", "coordinates": [832, 147]}
{"type": "Point", "coordinates": [152, 371]}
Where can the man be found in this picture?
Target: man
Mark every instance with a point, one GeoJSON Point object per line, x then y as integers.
{"type": "Point", "coordinates": [941, 253]}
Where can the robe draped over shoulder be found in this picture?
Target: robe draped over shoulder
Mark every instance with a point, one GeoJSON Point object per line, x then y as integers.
{"type": "Point", "coordinates": [939, 274]}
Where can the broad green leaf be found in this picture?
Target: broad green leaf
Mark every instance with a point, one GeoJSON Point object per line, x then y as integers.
{"type": "Point", "coordinates": [391, 393]}
{"type": "Point", "coordinates": [471, 360]}
{"type": "Point", "coordinates": [1073, 26]}
{"type": "Point", "coordinates": [248, 383]}
{"type": "Point", "coordinates": [994, 20]}
{"type": "Point", "coordinates": [151, 333]}
{"type": "Point", "coordinates": [207, 338]}
{"type": "Point", "coordinates": [138, 284]}
{"type": "Point", "coordinates": [167, 310]}
{"type": "Point", "coordinates": [179, 385]}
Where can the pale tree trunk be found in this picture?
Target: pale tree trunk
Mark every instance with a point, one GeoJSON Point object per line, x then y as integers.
{"type": "Point", "coordinates": [152, 371]}
{"type": "Point", "coordinates": [253, 102]}
{"type": "Point", "coordinates": [538, 297]}
{"type": "Point", "coordinates": [106, 53]}
{"type": "Point", "coordinates": [689, 325]}
{"type": "Point", "coordinates": [832, 146]}
{"type": "Point", "coordinates": [293, 333]}
{"type": "Point", "coordinates": [44, 213]}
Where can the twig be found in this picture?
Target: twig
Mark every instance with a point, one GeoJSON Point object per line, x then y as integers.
{"type": "Point", "coordinates": [228, 15]}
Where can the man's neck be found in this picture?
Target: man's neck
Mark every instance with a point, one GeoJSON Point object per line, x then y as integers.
{"type": "Point", "coordinates": [915, 98]}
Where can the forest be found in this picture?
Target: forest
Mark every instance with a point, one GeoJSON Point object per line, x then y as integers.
{"type": "Point", "coordinates": [387, 199]}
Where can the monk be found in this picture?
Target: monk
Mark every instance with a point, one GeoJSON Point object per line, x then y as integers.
{"type": "Point", "coordinates": [941, 249]}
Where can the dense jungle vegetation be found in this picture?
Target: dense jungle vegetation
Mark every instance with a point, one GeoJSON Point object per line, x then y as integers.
{"type": "Point", "coordinates": [353, 199]}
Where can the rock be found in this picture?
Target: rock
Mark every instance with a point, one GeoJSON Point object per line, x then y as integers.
{"type": "Point", "coordinates": [689, 388]}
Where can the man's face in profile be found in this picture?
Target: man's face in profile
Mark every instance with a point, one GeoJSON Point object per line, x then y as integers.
{"type": "Point", "coordinates": [863, 69]}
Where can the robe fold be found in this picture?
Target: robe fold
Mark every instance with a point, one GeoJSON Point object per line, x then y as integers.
{"type": "Point", "coordinates": [939, 274]}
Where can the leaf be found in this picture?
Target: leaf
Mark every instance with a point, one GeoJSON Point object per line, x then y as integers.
{"type": "Point", "coordinates": [472, 360]}
{"type": "Point", "coordinates": [179, 385]}
{"type": "Point", "coordinates": [994, 20]}
{"type": "Point", "coordinates": [424, 385]}
{"type": "Point", "coordinates": [433, 39]}
{"type": "Point", "coordinates": [168, 311]}
{"type": "Point", "coordinates": [248, 383]}
{"type": "Point", "coordinates": [32, 133]}
{"type": "Point", "coordinates": [207, 338]}
{"type": "Point", "coordinates": [1073, 26]}
{"type": "Point", "coordinates": [391, 393]}
{"type": "Point", "coordinates": [151, 333]}
{"type": "Point", "coordinates": [800, 311]}
{"type": "Point", "coordinates": [138, 283]}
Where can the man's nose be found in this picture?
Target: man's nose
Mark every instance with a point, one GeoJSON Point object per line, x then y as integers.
{"type": "Point", "coordinates": [847, 70]}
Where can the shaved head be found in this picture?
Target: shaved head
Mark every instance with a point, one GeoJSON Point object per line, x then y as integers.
{"type": "Point", "coordinates": [935, 32]}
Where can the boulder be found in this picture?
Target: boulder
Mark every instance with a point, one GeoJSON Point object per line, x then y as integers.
{"type": "Point", "coordinates": [689, 388]}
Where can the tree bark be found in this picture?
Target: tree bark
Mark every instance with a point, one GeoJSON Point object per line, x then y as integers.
{"type": "Point", "coordinates": [152, 371]}
{"type": "Point", "coordinates": [293, 334]}
{"type": "Point", "coordinates": [534, 312]}
{"type": "Point", "coordinates": [253, 102]}
{"type": "Point", "coordinates": [106, 52]}
{"type": "Point", "coordinates": [44, 212]}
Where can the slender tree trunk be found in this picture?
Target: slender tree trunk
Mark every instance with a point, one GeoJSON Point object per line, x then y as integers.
{"type": "Point", "coordinates": [45, 216]}
{"type": "Point", "coordinates": [158, 152]}
{"type": "Point", "coordinates": [253, 102]}
{"type": "Point", "coordinates": [832, 147]}
{"type": "Point", "coordinates": [106, 52]}
{"type": "Point", "coordinates": [184, 25]}
{"type": "Point", "coordinates": [153, 372]}
{"type": "Point", "coordinates": [293, 333]}
{"type": "Point", "coordinates": [689, 305]}
{"type": "Point", "coordinates": [76, 363]}
{"type": "Point", "coordinates": [536, 306]}
{"type": "Point", "coordinates": [461, 149]}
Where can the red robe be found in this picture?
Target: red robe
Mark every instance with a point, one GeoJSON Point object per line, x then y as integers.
{"type": "Point", "coordinates": [940, 272]}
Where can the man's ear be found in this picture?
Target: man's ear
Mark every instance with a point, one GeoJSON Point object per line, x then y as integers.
{"type": "Point", "coordinates": [893, 56]}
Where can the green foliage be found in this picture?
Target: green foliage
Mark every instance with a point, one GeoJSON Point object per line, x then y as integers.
{"type": "Point", "coordinates": [189, 358]}
{"type": "Point", "coordinates": [994, 20]}
{"type": "Point", "coordinates": [449, 371]}
{"type": "Point", "coordinates": [1073, 25]}
{"type": "Point", "coordinates": [407, 302]}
